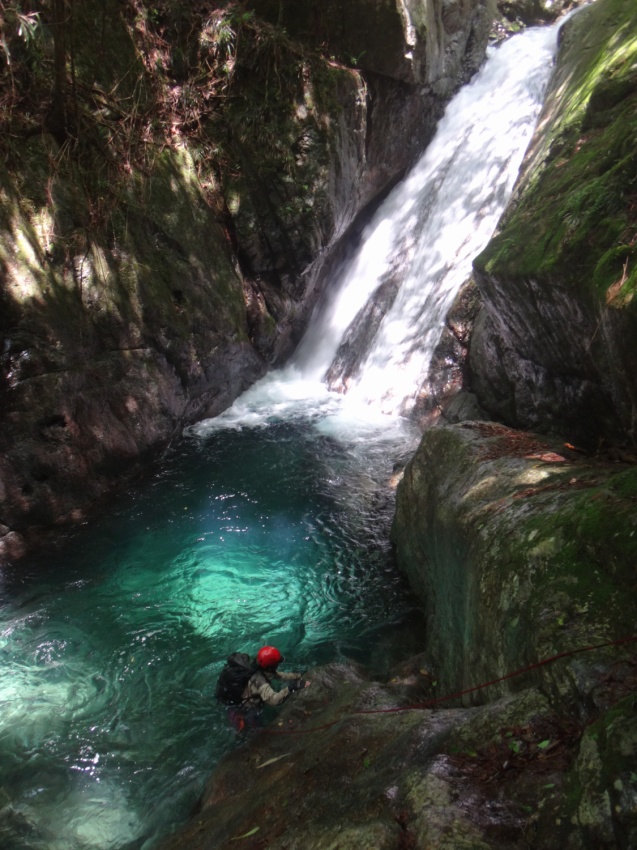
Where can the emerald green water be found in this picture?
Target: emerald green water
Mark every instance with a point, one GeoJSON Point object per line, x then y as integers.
{"type": "Point", "coordinates": [111, 645]}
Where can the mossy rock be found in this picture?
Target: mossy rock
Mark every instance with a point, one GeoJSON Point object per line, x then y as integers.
{"type": "Point", "coordinates": [574, 202]}
{"type": "Point", "coordinates": [554, 346]}
{"type": "Point", "coordinates": [520, 550]}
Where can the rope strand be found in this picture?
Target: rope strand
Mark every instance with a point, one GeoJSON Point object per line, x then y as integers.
{"type": "Point", "coordinates": [437, 701]}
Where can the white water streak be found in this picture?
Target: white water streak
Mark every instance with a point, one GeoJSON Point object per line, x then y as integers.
{"type": "Point", "coordinates": [439, 218]}
{"type": "Point", "coordinates": [443, 214]}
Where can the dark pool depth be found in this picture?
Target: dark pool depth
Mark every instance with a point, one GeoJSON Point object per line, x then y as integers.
{"type": "Point", "coordinates": [111, 646]}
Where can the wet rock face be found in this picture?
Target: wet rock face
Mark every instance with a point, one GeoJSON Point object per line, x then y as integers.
{"type": "Point", "coordinates": [342, 766]}
{"type": "Point", "coordinates": [552, 349]}
{"type": "Point", "coordinates": [448, 372]}
{"type": "Point", "coordinates": [448, 368]}
{"type": "Point", "coordinates": [550, 381]}
{"type": "Point", "coordinates": [107, 350]}
{"type": "Point", "coordinates": [124, 318]}
{"type": "Point", "coordinates": [352, 351]}
{"type": "Point", "coordinates": [349, 779]}
{"type": "Point", "coordinates": [518, 547]}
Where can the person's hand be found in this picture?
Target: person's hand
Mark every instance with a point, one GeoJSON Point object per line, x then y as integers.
{"type": "Point", "coordinates": [297, 685]}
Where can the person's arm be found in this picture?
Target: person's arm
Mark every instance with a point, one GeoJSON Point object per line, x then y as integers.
{"type": "Point", "coordinates": [296, 682]}
{"type": "Point", "coordinates": [270, 696]}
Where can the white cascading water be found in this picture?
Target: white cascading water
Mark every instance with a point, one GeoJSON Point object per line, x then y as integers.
{"type": "Point", "coordinates": [111, 645]}
{"type": "Point", "coordinates": [438, 219]}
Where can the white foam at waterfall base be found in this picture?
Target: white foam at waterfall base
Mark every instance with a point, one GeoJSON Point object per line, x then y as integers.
{"type": "Point", "coordinates": [437, 220]}
{"type": "Point", "coordinates": [108, 725]}
{"type": "Point", "coordinates": [286, 395]}
{"type": "Point", "coordinates": [451, 202]}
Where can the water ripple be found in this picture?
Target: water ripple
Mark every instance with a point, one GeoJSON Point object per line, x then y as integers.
{"type": "Point", "coordinates": [111, 648]}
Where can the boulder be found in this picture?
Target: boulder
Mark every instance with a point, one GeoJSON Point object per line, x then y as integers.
{"type": "Point", "coordinates": [520, 548]}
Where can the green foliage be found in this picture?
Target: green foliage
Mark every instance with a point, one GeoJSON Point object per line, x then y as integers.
{"type": "Point", "coordinates": [19, 26]}
{"type": "Point", "coordinates": [354, 60]}
{"type": "Point", "coordinates": [24, 48]}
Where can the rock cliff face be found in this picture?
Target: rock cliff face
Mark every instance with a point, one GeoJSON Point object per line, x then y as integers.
{"type": "Point", "coordinates": [520, 547]}
{"type": "Point", "coordinates": [523, 551]}
{"type": "Point", "coordinates": [552, 349]}
{"type": "Point", "coordinates": [106, 350]}
{"type": "Point", "coordinates": [163, 253]}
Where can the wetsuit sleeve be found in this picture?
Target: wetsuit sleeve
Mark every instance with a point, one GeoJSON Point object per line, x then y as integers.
{"type": "Point", "coordinates": [270, 696]}
{"type": "Point", "coordinates": [287, 677]}
{"type": "Point", "coordinates": [259, 689]}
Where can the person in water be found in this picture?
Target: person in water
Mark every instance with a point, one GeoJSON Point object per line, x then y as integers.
{"type": "Point", "coordinates": [258, 690]}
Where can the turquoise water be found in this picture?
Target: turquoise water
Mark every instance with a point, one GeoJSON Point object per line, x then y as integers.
{"type": "Point", "coordinates": [111, 645]}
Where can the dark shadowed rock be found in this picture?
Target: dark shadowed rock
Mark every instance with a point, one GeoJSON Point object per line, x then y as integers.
{"type": "Point", "coordinates": [447, 374]}
{"type": "Point", "coordinates": [140, 301]}
{"type": "Point", "coordinates": [362, 331]}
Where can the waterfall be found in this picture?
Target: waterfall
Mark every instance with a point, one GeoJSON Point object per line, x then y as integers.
{"type": "Point", "coordinates": [111, 645]}
{"type": "Point", "coordinates": [419, 246]}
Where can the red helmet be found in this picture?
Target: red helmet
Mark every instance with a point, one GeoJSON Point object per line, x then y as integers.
{"type": "Point", "coordinates": [269, 656]}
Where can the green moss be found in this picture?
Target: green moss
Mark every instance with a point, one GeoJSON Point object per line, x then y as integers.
{"type": "Point", "coordinates": [578, 198]}
{"type": "Point", "coordinates": [583, 575]}
{"type": "Point", "coordinates": [604, 769]}
{"type": "Point", "coordinates": [625, 484]}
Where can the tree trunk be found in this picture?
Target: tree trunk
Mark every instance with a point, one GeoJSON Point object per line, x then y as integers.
{"type": "Point", "coordinates": [58, 114]}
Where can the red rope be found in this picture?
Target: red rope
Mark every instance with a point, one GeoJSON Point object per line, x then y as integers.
{"type": "Point", "coordinates": [449, 697]}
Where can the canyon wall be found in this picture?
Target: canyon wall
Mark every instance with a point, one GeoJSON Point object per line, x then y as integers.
{"type": "Point", "coordinates": [552, 349]}
{"type": "Point", "coordinates": [164, 237]}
